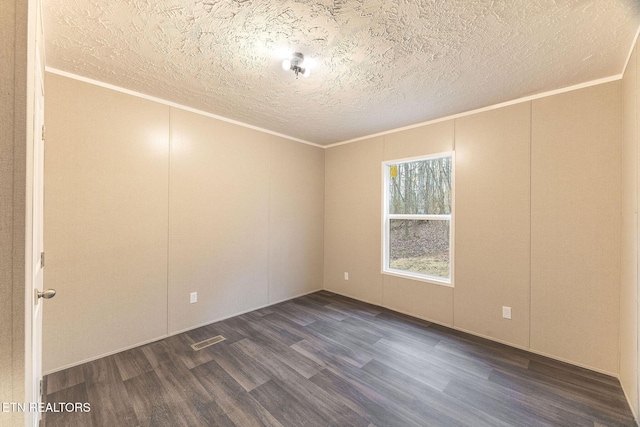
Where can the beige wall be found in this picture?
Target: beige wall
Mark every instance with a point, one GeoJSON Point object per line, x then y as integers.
{"type": "Point", "coordinates": [492, 223]}
{"type": "Point", "coordinates": [18, 34]}
{"type": "Point", "coordinates": [258, 198]}
{"type": "Point", "coordinates": [11, 382]}
{"type": "Point", "coordinates": [7, 112]}
{"type": "Point", "coordinates": [575, 225]}
{"type": "Point", "coordinates": [352, 220]}
{"type": "Point", "coordinates": [219, 219]}
{"type": "Point", "coordinates": [629, 265]}
{"type": "Point", "coordinates": [106, 180]}
{"type": "Point", "coordinates": [296, 219]}
{"type": "Point", "coordinates": [145, 203]}
{"type": "Point", "coordinates": [502, 191]}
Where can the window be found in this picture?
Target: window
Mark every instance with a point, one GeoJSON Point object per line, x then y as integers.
{"type": "Point", "coordinates": [418, 206]}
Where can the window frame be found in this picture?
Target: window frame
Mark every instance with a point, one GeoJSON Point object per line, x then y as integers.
{"type": "Point", "coordinates": [387, 217]}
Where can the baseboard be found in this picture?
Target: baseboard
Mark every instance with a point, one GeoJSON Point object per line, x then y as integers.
{"type": "Point", "coordinates": [446, 325]}
{"type": "Point", "coordinates": [190, 328]}
{"type": "Point", "coordinates": [615, 375]}
{"type": "Point", "coordinates": [110, 353]}
{"type": "Point", "coordinates": [353, 297]}
{"type": "Point", "coordinates": [635, 415]}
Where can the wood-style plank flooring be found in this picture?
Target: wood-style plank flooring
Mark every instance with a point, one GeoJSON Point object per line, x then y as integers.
{"type": "Point", "coordinates": [327, 360]}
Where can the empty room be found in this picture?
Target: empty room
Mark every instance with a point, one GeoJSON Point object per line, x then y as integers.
{"type": "Point", "coordinates": [319, 213]}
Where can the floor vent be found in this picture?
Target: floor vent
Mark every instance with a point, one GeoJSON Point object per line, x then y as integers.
{"type": "Point", "coordinates": [206, 343]}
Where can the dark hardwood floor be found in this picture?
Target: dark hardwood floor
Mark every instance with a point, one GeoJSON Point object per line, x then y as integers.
{"type": "Point", "coordinates": [327, 360]}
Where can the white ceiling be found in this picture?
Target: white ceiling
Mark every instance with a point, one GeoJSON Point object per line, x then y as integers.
{"type": "Point", "coordinates": [380, 64]}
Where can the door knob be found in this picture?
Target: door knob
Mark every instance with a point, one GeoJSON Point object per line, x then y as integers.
{"type": "Point", "coordinates": [48, 294]}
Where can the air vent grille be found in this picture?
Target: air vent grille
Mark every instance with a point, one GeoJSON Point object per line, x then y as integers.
{"type": "Point", "coordinates": [208, 342]}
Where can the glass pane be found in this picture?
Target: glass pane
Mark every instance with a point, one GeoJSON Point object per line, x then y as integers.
{"type": "Point", "coordinates": [419, 246]}
{"type": "Point", "coordinates": [421, 187]}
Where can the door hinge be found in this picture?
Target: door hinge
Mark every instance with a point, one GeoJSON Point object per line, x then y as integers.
{"type": "Point", "coordinates": [43, 132]}
{"type": "Point", "coordinates": [41, 390]}
{"type": "Point", "coordinates": [41, 259]}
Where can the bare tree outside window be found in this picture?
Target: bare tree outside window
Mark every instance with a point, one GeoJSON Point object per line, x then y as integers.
{"type": "Point", "coordinates": [418, 218]}
{"type": "Point", "coordinates": [422, 187]}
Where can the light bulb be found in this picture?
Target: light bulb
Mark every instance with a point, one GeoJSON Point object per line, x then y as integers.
{"type": "Point", "coordinates": [309, 62]}
{"type": "Point", "coordinates": [286, 64]}
{"type": "Point", "coordinates": [282, 52]}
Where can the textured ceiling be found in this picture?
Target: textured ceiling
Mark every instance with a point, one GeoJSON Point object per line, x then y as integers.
{"type": "Point", "coordinates": [380, 64]}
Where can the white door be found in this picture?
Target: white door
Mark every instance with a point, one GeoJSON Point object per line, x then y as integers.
{"type": "Point", "coordinates": [37, 251]}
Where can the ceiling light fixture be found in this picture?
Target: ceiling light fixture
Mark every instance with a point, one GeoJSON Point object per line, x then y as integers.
{"type": "Point", "coordinates": [295, 63]}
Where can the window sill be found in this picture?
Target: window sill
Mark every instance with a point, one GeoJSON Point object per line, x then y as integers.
{"type": "Point", "coordinates": [419, 277]}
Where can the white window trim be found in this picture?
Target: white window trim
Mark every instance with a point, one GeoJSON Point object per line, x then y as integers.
{"type": "Point", "coordinates": [386, 217]}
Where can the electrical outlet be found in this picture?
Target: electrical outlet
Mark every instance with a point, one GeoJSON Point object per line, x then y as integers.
{"type": "Point", "coordinates": [506, 312]}
{"type": "Point", "coordinates": [193, 297]}
{"type": "Point", "coordinates": [346, 275]}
